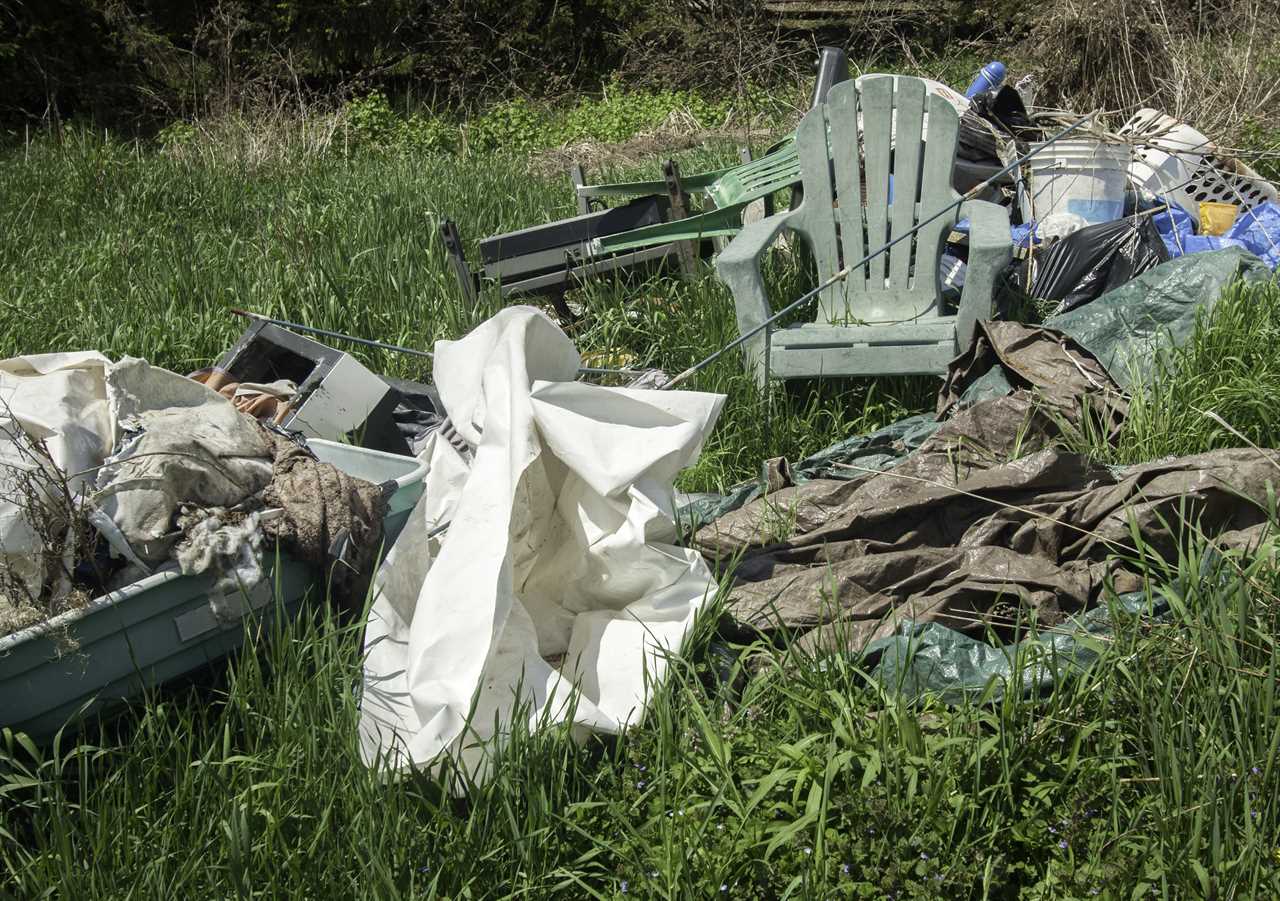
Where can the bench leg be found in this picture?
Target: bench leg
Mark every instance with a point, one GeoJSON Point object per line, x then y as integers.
{"type": "Point", "coordinates": [686, 251]}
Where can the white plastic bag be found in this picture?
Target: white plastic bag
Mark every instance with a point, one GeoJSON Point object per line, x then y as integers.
{"type": "Point", "coordinates": [559, 568]}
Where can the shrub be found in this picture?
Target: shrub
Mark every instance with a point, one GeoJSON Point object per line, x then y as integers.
{"type": "Point", "coordinates": [371, 123]}
{"type": "Point", "coordinates": [370, 119]}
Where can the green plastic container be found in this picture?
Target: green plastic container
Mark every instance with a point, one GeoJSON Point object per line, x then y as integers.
{"type": "Point", "coordinates": [162, 627]}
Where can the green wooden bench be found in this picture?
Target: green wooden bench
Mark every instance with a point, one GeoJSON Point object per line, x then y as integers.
{"type": "Point", "coordinates": [888, 317]}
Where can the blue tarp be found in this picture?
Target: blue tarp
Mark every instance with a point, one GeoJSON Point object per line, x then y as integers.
{"type": "Point", "coordinates": [1256, 230]}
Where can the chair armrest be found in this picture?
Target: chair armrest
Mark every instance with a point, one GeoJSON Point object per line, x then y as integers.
{"type": "Point", "coordinates": [724, 222]}
{"type": "Point", "coordinates": [739, 268]}
{"type": "Point", "coordinates": [990, 251]}
{"type": "Point", "coordinates": [697, 182]}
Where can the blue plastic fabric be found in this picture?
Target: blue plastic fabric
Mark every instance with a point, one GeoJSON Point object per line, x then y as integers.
{"type": "Point", "coordinates": [1256, 230]}
{"type": "Point", "coordinates": [1022, 234]}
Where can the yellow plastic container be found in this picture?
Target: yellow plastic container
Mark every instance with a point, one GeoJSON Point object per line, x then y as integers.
{"type": "Point", "coordinates": [1216, 218]}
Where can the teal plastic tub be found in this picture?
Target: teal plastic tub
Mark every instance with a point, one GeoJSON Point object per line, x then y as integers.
{"type": "Point", "coordinates": [162, 627]}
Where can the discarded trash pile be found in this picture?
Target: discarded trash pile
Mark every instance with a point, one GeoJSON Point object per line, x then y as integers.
{"type": "Point", "coordinates": [145, 517]}
{"type": "Point", "coordinates": [170, 475]}
{"type": "Point", "coordinates": [919, 206]}
{"type": "Point", "coordinates": [559, 591]}
{"type": "Point", "coordinates": [538, 572]}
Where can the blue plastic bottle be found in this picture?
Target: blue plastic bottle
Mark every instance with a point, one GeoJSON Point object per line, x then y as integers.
{"type": "Point", "coordinates": [991, 76]}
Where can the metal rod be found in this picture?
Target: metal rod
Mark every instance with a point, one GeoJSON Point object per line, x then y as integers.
{"type": "Point", "coordinates": [844, 273]}
{"type": "Point", "coordinates": [382, 345]}
{"type": "Point", "coordinates": [593, 370]}
{"type": "Point", "coordinates": [328, 334]}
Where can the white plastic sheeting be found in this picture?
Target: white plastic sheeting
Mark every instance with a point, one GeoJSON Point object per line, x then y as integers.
{"type": "Point", "coordinates": [559, 568]}
{"type": "Point", "coordinates": [60, 400]}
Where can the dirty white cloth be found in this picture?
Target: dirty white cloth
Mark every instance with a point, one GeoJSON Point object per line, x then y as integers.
{"type": "Point", "coordinates": [559, 567]}
{"type": "Point", "coordinates": [60, 400]}
{"type": "Point", "coordinates": [229, 545]}
{"type": "Point", "coordinates": [186, 445]}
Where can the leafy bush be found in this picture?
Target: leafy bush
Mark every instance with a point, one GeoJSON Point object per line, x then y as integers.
{"type": "Point", "coordinates": [620, 115]}
{"type": "Point", "coordinates": [176, 135]}
{"type": "Point", "coordinates": [370, 119]}
{"type": "Point", "coordinates": [512, 125]}
{"type": "Point", "coordinates": [372, 123]}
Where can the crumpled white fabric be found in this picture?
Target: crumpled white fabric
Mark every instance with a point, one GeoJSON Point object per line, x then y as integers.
{"type": "Point", "coordinates": [60, 399]}
{"type": "Point", "coordinates": [229, 546]}
{"type": "Point", "coordinates": [193, 447]}
{"type": "Point", "coordinates": [559, 567]}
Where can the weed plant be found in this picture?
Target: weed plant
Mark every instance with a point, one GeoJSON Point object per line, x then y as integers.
{"type": "Point", "coordinates": [1154, 774]}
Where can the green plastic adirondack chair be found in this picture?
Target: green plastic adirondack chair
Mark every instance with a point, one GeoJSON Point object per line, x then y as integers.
{"type": "Point", "coordinates": [887, 317]}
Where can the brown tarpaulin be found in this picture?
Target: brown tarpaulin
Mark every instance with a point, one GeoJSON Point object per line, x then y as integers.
{"type": "Point", "coordinates": [959, 535]}
{"type": "Point", "coordinates": [1061, 372]}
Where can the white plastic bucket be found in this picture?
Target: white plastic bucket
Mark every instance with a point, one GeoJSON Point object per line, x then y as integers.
{"type": "Point", "coordinates": [1079, 178]}
{"type": "Point", "coordinates": [1165, 175]}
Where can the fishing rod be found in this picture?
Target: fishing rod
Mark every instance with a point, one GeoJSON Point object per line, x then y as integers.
{"type": "Point", "coordinates": [844, 273]}
{"type": "Point", "coordinates": [382, 345]}
{"type": "Point", "coordinates": [299, 327]}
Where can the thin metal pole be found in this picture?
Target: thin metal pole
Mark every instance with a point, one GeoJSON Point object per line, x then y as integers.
{"type": "Point", "coordinates": [328, 334]}
{"type": "Point", "coordinates": [381, 345]}
{"type": "Point", "coordinates": [844, 273]}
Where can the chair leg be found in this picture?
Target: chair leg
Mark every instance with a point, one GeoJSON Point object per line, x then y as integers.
{"type": "Point", "coordinates": [686, 251]}
{"type": "Point", "coordinates": [751, 307]}
{"type": "Point", "coordinates": [458, 262]}
{"type": "Point", "coordinates": [579, 179]}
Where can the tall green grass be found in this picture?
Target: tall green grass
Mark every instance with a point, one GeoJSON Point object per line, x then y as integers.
{"type": "Point", "coordinates": [1215, 390]}
{"type": "Point", "coordinates": [104, 246]}
{"type": "Point", "coordinates": [1152, 775]}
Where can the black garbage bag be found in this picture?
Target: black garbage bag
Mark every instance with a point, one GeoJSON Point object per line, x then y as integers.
{"type": "Point", "coordinates": [1004, 108]}
{"type": "Point", "coordinates": [991, 119]}
{"type": "Point", "coordinates": [979, 140]}
{"type": "Point", "coordinates": [1086, 264]}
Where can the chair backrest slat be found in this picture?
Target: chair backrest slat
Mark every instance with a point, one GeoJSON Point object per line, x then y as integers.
{"type": "Point", "coordinates": [843, 113]}
{"type": "Point", "coordinates": [849, 148]}
{"type": "Point", "coordinates": [909, 119]}
{"type": "Point", "coordinates": [752, 180]}
{"type": "Point", "coordinates": [935, 193]}
{"type": "Point", "coordinates": [877, 122]}
{"type": "Point", "coordinates": [815, 169]}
